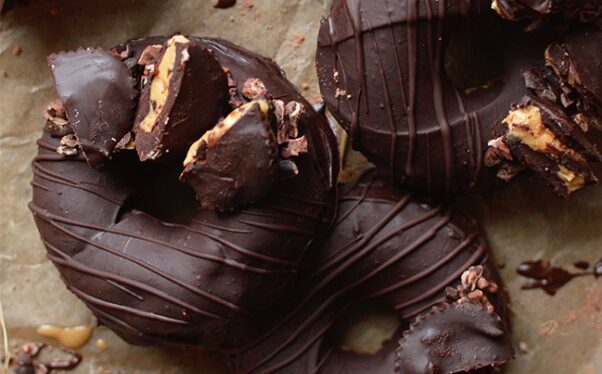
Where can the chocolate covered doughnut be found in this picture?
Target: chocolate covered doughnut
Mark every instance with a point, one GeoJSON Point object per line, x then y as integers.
{"type": "Point", "coordinates": [134, 244]}
{"type": "Point", "coordinates": [428, 264]}
{"type": "Point", "coordinates": [424, 88]}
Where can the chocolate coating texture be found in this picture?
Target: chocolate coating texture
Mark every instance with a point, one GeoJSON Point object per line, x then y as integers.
{"type": "Point", "coordinates": [387, 248]}
{"type": "Point", "coordinates": [98, 94]}
{"type": "Point", "coordinates": [422, 85]}
{"type": "Point", "coordinates": [131, 242]}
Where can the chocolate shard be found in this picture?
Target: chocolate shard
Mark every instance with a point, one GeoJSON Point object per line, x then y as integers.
{"type": "Point", "coordinates": [236, 162]}
{"type": "Point", "coordinates": [576, 61]}
{"type": "Point", "coordinates": [540, 136]}
{"type": "Point", "coordinates": [515, 10]}
{"type": "Point", "coordinates": [97, 92]}
{"type": "Point", "coordinates": [184, 93]}
{"type": "Point", "coordinates": [454, 338]}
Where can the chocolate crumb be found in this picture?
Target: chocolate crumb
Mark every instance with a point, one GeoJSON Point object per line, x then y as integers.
{"type": "Point", "coordinates": [66, 151]}
{"type": "Point", "coordinates": [150, 55]}
{"type": "Point", "coordinates": [295, 147]}
{"type": "Point", "coordinates": [70, 141]}
{"type": "Point", "coordinates": [24, 359]}
{"type": "Point", "coordinates": [16, 51]}
{"type": "Point", "coordinates": [473, 288]}
{"type": "Point", "coordinates": [254, 89]}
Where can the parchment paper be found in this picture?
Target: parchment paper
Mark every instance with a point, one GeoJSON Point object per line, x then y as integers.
{"type": "Point", "coordinates": [563, 334]}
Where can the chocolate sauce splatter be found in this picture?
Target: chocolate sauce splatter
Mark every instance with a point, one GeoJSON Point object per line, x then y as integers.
{"type": "Point", "coordinates": [583, 265]}
{"type": "Point", "coordinates": [551, 278]}
{"type": "Point", "coordinates": [223, 4]}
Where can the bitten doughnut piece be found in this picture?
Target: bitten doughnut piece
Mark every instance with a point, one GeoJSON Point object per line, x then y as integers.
{"type": "Point", "coordinates": [430, 266]}
{"type": "Point", "coordinates": [184, 92]}
{"type": "Point", "coordinates": [97, 93]}
{"type": "Point", "coordinates": [236, 162]}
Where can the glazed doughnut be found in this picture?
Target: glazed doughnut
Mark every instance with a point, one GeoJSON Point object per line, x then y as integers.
{"type": "Point", "coordinates": [431, 91]}
{"type": "Point", "coordinates": [430, 265]}
{"type": "Point", "coordinates": [131, 241]}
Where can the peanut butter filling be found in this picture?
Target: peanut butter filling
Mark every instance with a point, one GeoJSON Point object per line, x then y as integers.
{"type": "Point", "coordinates": [159, 90]}
{"type": "Point", "coordinates": [526, 124]}
{"type": "Point", "coordinates": [212, 136]}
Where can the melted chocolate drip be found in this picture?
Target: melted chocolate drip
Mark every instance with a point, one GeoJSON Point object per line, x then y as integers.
{"type": "Point", "coordinates": [551, 278]}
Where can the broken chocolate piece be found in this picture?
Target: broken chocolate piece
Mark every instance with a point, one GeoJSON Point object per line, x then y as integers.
{"type": "Point", "coordinates": [97, 92]}
{"type": "Point", "coordinates": [186, 91]}
{"type": "Point", "coordinates": [57, 123]}
{"type": "Point", "coordinates": [454, 338]}
{"type": "Point", "coordinates": [515, 10]}
{"type": "Point", "coordinates": [543, 138]}
{"type": "Point", "coordinates": [236, 162]}
{"type": "Point", "coordinates": [576, 61]}
{"type": "Point", "coordinates": [254, 89]}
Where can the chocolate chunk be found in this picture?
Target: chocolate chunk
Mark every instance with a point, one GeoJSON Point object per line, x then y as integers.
{"type": "Point", "coordinates": [97, 92]}
{"type": "Point", "coordinates": [57, 123]}
{"type": "Point", "coordinates": [543, 138]}
{"type": "Point", "coordinates": [184, 94]}
{"type": "Point", "coordinates": [236, 162]}
{"type": "Point", "coordinates": [577, 63]}
{"type": "Point", "coordinates": [454, 338]}
{"type": "Point", "coordinates": [584, 10]}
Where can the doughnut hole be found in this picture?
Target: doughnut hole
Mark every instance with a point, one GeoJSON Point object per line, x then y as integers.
{"type": "Point", "coordinates": [364, 329]}
{"type": "Point", "coordinates": [162, 195]}
{"type": "Point", "coordinates": [474, 55]}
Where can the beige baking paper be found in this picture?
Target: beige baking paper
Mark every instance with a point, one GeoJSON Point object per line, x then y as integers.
{"type": "Point", "coordinates": [562, 334]}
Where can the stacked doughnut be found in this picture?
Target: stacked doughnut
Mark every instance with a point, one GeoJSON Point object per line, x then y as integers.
{"type": "Point", "coordinates": [187, 193]}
